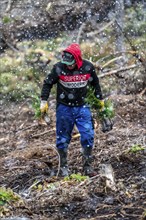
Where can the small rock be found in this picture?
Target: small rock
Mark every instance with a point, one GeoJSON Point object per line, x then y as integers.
{"type": "Point", "coordinates": [143, 172]}
{"type": "Point", "coordinates": [109, 200]}
{"type": "Point", "coordinates": [111, 139]}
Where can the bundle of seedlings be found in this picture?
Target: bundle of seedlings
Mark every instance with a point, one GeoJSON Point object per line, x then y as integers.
{"type": "Point", "coordinates": [103, 110]}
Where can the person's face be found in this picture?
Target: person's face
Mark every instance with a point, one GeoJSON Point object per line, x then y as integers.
{"type": "Point", "coordinates": [71, 67]}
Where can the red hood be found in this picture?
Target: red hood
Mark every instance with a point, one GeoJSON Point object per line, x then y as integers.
{"type": "Point", "coordinates": [75, 50]}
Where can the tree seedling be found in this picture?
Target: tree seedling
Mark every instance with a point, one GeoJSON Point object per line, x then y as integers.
{"type": "Point", "coordinates": [95, 104]}
{"type": "Point", "coordinates": [136, 148]}
{"type": "Point", "coordinates": [78, 177]}
{"type": "Point", "coordinates": [7, 195]}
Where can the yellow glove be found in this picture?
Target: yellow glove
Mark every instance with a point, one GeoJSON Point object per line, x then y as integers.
{"type": "Point", "coordinates": [44, 111]}
{"type": "Point", "coordinates": [44, 107]}
{"type": "Point", "coordinates": [101, 105]}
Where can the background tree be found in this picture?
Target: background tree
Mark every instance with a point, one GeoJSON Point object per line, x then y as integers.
{"type": "Point", "coordinates": [119, 25]}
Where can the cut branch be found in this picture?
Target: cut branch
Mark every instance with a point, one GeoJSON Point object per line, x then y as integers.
{"type": "Point", "coordinates": [9, 45]}
{"type": "Point", "coordinates": [117, 71]}
{"type": "Point", "coordinates": [100, 30]}
{"type": "Point", "coordinates": [131, 52]}
{"type": "Point", "coordinates": [40, 134]}
{"type": "Point", "coordinates": [9, 5]}
{"type": "Point", "coordinates": [111, 61]}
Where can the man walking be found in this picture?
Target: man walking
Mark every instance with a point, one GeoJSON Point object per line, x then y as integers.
{"type": "Point", "coordinates": [72, 75]}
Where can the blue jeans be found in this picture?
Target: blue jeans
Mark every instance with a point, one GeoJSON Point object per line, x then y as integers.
{"type": "Point", "coordinates": [66, 118]}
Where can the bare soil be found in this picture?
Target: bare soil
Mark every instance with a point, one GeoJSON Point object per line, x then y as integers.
{"type": "Point", "coordinates": [29, 165]}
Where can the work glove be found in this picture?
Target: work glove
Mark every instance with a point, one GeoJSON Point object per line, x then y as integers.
{"type": "Point", "coordinates": [44, 111]}
{"type": "Point", "coordinates": [106, 124]}
{"type": "Point", "coordinates": [44, 107]}
{"type": "Point", "coordinates": [101, 103]}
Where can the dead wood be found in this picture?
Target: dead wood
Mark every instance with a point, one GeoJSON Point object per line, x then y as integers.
{"type": "Point", "coordinates": [10, 45]}
{"type": "Point", "coordinates": [117, 71]}
{"type": "Point", "coordinates": [106, 170]}
{"type": "Point", "coordinates": [26, 128]}
{"type": "Point", "coordinates": [111, 61]}
{"type": "Point", "coordinates": [9, 5]}
{"type": "Point", "coordinates": [80, 32]}
{"type": "Point", "coordinates": [100, 30]}
{"type": "Point", "coordinates": [142, 92]}
{"type": "Point", "coordinates": [42, 133]}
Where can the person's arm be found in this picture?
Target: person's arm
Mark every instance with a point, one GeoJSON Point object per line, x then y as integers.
{"type": "Point", "coordinates": [50, 80]}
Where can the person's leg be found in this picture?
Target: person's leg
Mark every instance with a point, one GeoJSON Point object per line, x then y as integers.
{"type": "Point", "coordinates": [64, 127]}
{"type": "Point", "coordinates": [84, 123]}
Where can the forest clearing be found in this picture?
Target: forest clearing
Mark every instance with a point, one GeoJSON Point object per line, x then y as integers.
{"type": "Point", "coordinates": [112, 36]}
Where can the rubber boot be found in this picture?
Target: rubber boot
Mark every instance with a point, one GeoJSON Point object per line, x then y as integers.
{"type": "Point", "coordinates": [87, 160]}
{"type": "Point", "coordinates": [63, 162]}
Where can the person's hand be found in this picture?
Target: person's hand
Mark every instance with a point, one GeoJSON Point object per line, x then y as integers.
{"type": "Point", "coordinates": [107, 125]}
{"type": "Point", "coordinates": [44, 107]}
{"type": "Point", "coordinates": [44, 111]}
{"type": "Point", "coordinates": [101, 105]}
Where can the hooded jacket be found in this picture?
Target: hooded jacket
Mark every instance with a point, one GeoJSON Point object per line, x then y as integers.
{"type": "Point", "coordinates": [74, 49]}
{"type": "Point", "coordinates": [72, 84]}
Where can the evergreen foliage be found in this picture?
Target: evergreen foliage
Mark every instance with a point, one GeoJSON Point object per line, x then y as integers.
{"type": "Point", "coordinates": [106, 112]}
{"type": "Point", "coordinates": [36, 106]}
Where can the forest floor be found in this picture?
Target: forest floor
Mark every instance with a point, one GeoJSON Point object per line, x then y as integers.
{"type": "Point", "coordinates": [28, 157]}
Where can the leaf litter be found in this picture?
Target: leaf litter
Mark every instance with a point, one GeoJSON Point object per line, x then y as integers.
{"type": "Point", "coordinates": [29, 164]}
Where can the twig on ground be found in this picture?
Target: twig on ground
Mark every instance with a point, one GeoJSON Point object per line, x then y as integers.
{"type": "Point", "coordinates": [9, 5]}
{"type": "Point", "coordinates": [121, 118]}
{"type": "Point", "coordinates": [109, 216]}
{"type": "Point", "coordinates": [20, 108]}
{"type": "Point", "coordinates": [26, 128]}
{"type": "Point", "coordinates": [40, 134]}
{"type": "Point", "coordinates": [54, 148]}
{"type": "Point", "coordinates": [142, 92]}
{"type": "Point", "coordinates": [34, 184]}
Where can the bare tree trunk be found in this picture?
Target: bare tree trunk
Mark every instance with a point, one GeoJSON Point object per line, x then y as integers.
{"type": "Point", "coordinates": [119, 39]}
{"type": "Point", "coordinates": [119, 16]}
